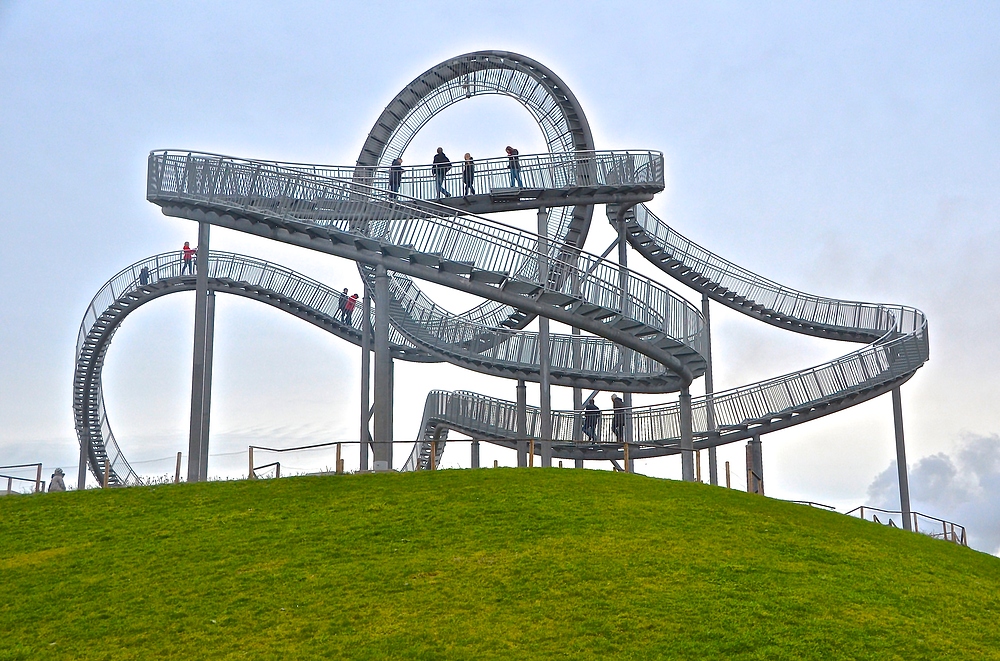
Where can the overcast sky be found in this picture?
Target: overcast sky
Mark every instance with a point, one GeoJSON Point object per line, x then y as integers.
{"type": "Point", "coordinates": [844, 149]}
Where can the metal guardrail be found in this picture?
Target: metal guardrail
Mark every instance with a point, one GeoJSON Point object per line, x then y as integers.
{"type": "Point", "coordinates": [875, 318]}
{"type": "Point", "coordinates": [113, 299]}
{"type": "Point", "coordinates": [548, 171]}
{"type": "Point", "coordinates": [287, 194]}
{"type": "Point", "coordinates": [38, 482]}
{"type": "Point", "coordinates": [922, 523]}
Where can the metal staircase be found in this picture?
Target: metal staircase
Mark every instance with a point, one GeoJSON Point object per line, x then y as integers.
{"type": "Point", "coordinates": [130, 288]}
{"type": "Point", "coordinates": [434, 243]}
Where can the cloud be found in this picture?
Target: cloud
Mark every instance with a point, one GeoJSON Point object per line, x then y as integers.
{"type": "Point", "coordinates": [963, 487]}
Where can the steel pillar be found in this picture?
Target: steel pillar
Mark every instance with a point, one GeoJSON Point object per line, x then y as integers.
{"type": "Point", "coordinates": [544, 354]}
{"type": "Point", "coordinates": [904, 483]}
{"type": "Point", "coordinates": [206, 408]}
{"type": "Point", "coordinates": [713, 462]}
{"type": "Point", "coordinates": [198, 363]}
{"type": "Point", "coordinates": [625, 353]}
{"type": "Point", "coordinates": [475, 454]}
{"type": "Point", "coordinates": [687, 438]}
{"type": "Point", "coordinates": [755, 466]}
{"type": "Point", "coordinates": [383, 374]}
{"type": "Point", "coordinates": [81, 473]}
{"type": "Point", "coordinates": [365, 437]}
{"type": "Point", "coordinates": [522, 424]}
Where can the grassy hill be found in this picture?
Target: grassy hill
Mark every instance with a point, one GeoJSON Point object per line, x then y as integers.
{"type": "Point", "coordinates": [498, 563]}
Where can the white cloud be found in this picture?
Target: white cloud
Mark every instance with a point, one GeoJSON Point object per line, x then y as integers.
{"type": "Point", "coordinates": [963, 487]}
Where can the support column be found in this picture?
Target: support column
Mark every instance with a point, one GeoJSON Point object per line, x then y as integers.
{"type": "Point", "coordinates": [475, 454]}
{"type": "Point", "coordinates": [198, 363]}
{"type": "Point", "coordinates": [365, 436]}
{"type": "Point", "coordinates": [383, 374]}
{"type": "Point", "coordinates": [544, 355]}
{"type": "Point", "coordinates": [713, 462]}
{"type": "Point", "coordinates": [626, 353]}
{"type": "Point", "coordinates": [206, 408]}
{"type": "Point", "coordinates": [904, 483]}
{"type": "Point", "coordinates": [522, 424]}
{"type": "Point", "coordinates": [755, 466]}
{"type": "Point", "coordinates": [81, 473]}
{"type": "Point", "coordinates": [687, 438]}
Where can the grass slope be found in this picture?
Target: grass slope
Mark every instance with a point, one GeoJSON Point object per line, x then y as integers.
{"type": "Point", "coordinates": [477, 564]}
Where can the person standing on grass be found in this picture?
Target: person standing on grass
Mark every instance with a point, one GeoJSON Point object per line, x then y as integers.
{"type": "Point", "coordinates": [514, 165]}
{"type": "Point", "coordinates": [56, 483]}
{"type": "Point", "coordinates": [469, 174]}
{"type": "Point", "coordinates": [187, 257]}
{"type": "Point", "coordinates": [441, 167]}
{"type": "Point", "coordinates": [618, 421]}
{"type": "Point", "coordinates": [349, 306]}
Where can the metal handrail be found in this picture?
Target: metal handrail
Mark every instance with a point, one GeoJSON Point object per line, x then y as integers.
{"type": "Point", "coordinates": [294, 195]}
{"type": "Point", "coordinates": [950, 531]}
{"type": "Point", "coordinates": [544, 171]}
{"type": "Point", "coordinates": [789, 303]}
{"type": "Point", "coordinates": [595, 357]}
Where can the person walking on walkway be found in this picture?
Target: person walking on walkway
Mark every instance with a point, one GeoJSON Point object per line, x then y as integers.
{"type": "Point", "coordinates": [514, 164]}
{"type": "Point", "coordinates": [441, 167]}
{"type": "Point", "coordinates": [591, 418]}
{"type": "Point", "coordinates": [342, 305]}
{"type": "Point", "coordinates": [349, 306]}
{"type": "Point", "coordinates": [187, 257]}
{"type": "Point", "coordinates": [618, 421]}
{"type": "Point", "coordinates": [469, 175]}
{"type": "Point", "coordinates": [56, 483]}
{"type": "Point", "coordinates": [395, 177]}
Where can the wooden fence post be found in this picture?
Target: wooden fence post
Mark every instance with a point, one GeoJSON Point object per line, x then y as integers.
{"type": "Point", "coordinates": [107, 473]}
{"type": "Point", "coordinates": [340, 462]}
{"type": "Point", "coordinates": [728, 483]}
{"type": "Point", "coordinates": [177, 470]}
{"type": "Point", "coordinates": [38, 479]}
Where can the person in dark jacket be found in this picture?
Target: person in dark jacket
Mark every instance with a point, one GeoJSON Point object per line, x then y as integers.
{"type": "Point", "coordinates": [514, 164]}
{"type": "Point", "coordinates": [395, 176]}
{"type": "Point", "coordinates": [591, 418]}
{"type": "Point", "coordinates": [342, 305]}
{"type": "Point", "coordinates": [469, 174]}
{"type": "Point", "coordinates": [441, 167]}
{"type": "Point", "coordinates": [618, 421]}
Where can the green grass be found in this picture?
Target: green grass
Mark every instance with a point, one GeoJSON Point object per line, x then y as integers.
{"type": "Point", "coordinates": [502, 563]}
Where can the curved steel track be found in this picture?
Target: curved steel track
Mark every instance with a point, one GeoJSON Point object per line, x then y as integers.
{"type": "Point", "coordinates": [644, 338]}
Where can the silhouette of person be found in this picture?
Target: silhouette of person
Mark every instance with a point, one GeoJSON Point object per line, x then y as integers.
{"type": "Point", "coordinates": [469, 175]}
{"type": "Point", "coordinates": [395, 177]}
{"type": "Point", "coordinates": [441, 167]}
{"type": "Point", "coordinates": [591, 418]}
{"type": "Point", "coordinates": [514, 164]}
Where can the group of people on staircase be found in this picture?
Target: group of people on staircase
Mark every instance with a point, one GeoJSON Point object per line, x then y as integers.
{"type": "Point", "coordinates": [442, 165]}
{"type": "Point", "coordinates": [345, 308]}
{"type": "Point", "coordinates": [592, 419]}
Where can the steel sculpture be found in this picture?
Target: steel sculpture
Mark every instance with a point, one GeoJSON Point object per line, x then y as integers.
{"type": "Point", "coordinates": [642, 337]}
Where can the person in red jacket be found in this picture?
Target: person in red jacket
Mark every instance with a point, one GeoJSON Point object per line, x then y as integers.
{"type": "Point", "coordinates": [187, 257]}
{"type": "Point", "coordinates": [349, 306]}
